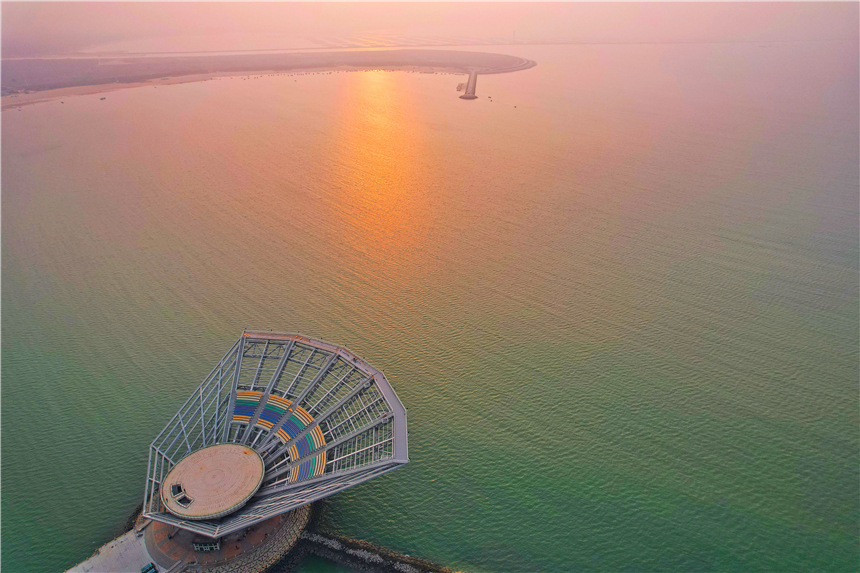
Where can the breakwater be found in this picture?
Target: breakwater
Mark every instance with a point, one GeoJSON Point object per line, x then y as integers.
{"type": "Point", "coordinates": [358, 555]}
{"type": "Point", "coordinates": [362, 556]}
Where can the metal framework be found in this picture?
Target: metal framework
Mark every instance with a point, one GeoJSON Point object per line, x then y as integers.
{"type": "Point", "coordinates": [322, 418]}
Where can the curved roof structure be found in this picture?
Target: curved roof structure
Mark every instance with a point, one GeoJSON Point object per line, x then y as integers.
{"type": "Point", "coordinates": [213, 481]}
{"type": "Point", "coordinates": [319, 418]}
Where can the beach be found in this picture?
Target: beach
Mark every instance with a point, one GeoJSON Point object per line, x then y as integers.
{"type": "Point", "coordinates": [28, 81]}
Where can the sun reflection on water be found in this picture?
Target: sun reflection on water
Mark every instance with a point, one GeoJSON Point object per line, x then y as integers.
{"type": "Point", "coordinates": [378, 151]}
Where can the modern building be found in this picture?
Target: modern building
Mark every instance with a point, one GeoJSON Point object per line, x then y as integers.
{"type": "Point", "coordinates": [281, 421]}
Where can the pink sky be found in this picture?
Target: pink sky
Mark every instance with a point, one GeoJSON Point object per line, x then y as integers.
{"type": "Point", "coordinates": [37, 28]}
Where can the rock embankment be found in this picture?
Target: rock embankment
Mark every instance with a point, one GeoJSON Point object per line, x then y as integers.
{"type": "Point", "coordinates": [365, 557]}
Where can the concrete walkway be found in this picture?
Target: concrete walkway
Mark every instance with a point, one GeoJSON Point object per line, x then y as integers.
{"type": "Point", "coordinates": [125, 554]}
{"type": "Point", "coordinates": [470, 86]}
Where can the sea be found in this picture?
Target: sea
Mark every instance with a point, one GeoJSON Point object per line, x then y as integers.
{"type": "Point", "coordinates": [618, 294]}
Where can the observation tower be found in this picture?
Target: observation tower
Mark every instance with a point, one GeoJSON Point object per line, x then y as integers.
{"type": "Point", "coordinates": [281, 421]}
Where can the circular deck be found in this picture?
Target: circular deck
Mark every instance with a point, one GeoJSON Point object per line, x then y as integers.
{"type": "Point", "coordinates": [212, 482]}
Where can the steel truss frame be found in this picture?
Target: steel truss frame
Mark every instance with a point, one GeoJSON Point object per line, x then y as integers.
{"type": "Point", "coordinates": [353, 405]}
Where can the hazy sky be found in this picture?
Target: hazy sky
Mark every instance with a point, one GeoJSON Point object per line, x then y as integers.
{"type": "Point", "coordinates": [37, 28]}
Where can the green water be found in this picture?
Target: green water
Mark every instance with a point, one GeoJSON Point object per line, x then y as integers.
{"type": "Point", "coordinates": [317, 565]}
{"type": "Point", "coordinates": [623, 314]}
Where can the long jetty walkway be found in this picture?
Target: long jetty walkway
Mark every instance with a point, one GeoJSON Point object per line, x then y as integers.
{"type": "Point", "coordinates": [470, 86]}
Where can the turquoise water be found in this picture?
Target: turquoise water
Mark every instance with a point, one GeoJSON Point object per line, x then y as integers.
{"type": "Point", "coordinates": [623, 314]}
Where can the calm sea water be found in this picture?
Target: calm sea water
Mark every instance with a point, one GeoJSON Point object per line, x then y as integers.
{"type": "Point", "coordinates": [620, 300]}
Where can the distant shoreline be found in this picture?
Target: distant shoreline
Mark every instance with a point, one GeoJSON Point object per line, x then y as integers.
{"type": "Point", "coordinates": [27, 82]}
{"type": "Point", "coordinates": [23, 99]}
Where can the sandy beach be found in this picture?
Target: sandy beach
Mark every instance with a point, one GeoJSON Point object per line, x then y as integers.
{"type": "Point", "coordinates": [39, 80]}
{"type": "Point", "coordinates": [24, 99]}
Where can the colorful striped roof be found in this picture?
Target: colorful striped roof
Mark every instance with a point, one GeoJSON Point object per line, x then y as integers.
{"type": "Point", "coordinates": [246, 405]}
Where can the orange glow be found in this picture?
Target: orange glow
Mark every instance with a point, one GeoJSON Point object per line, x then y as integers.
{"type": "Point", "coordinates": [379, 151]}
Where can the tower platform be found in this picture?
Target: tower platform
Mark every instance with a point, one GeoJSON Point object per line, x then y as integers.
{"type": "Point", "coordinates": [213, 481]}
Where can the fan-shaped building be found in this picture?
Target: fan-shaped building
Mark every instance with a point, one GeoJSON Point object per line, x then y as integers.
{"type": "Point", "coordinates": [281, 421]}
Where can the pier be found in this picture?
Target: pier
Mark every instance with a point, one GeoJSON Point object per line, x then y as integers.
{"type": "Point", "coordinates": [282, 542]}
{"type": "Point", "coordinates": [470, 86]}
